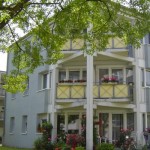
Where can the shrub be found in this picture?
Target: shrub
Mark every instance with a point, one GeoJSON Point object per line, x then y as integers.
{"type": "Point", "coordinates": [38, 144]}
{"type": "Point", "coordinates": [66, 147]}
{"type": "Point", "coordinates": [79, 148]}
{"type": "Point", "coordinates": [105, 146]}
{"type": "Point", "coordinates": [75, 139]}
{"type": "Point", "coordinates": [44, 143]}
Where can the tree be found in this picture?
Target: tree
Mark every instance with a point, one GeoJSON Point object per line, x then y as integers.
{"type": "Point", "coordinates": [49, 24]}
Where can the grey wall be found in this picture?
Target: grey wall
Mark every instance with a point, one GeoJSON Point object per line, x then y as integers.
{"type": "Point", "coordinates": [32, 104]}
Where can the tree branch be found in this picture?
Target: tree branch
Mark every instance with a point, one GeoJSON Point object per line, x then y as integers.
{"type": "Point", "coordinates": [14, 11]}
{"type": "Point", "coordinates": [14, 38]}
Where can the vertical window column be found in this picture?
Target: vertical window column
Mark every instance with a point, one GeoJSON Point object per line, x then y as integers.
{"type": "Point", "coordinates": [12, 125]}
{"type": "Point", "coordinates": [24, 124]}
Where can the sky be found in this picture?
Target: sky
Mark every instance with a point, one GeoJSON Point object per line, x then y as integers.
{"type": "Point", "coordinates": [3, 61]}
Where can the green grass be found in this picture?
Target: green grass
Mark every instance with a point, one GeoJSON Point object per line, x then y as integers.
{"type": "Point", "coordinates": [10, 148]}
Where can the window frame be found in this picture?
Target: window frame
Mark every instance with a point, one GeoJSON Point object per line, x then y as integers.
{"type": "Point", "coordinates": [41, 118]}
{"type": "Point", "coordinates": [110, 72]}
{"type": "Point", "coordinates": [24, 124]}
{"type": "Point", "coordinates": [41, 80]}
{"type": "Point", "coordinates": [145, 77]}
{"type": "Point", "coordinates": [80, 70]}
{"type": "Point", "coordinates": [12, 125]}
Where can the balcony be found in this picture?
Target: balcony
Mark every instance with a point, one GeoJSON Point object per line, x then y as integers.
{"type": "Point", "coordinates": [100, 91]}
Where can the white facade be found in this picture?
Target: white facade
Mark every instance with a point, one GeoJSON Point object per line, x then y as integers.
{"type": "Point", "coordinates": [73, 88]}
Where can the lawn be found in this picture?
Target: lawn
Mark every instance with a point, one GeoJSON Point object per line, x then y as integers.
{"type": "Point", "coordinates": [10, 148]}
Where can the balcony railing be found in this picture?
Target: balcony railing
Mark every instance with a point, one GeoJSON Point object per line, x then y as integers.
{"type": "Point", "coordinates": [102, 91]}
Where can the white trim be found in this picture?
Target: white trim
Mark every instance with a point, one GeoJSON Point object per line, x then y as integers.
{"type": "Point", "coordinates": [79, 53]}
{"type": "Point", "coordinates": [129, 59]}
{"type": "Point", "coordinates": [43, 90]}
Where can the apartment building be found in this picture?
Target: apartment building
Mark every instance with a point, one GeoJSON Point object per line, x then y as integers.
{"type": "Point", "coordinates": [112, 85]}
{"type": "Point", "coordinates": [2, 101]}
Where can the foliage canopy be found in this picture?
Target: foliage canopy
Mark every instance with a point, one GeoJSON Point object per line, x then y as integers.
{"type": "Point", "coordinates": [48, 24]}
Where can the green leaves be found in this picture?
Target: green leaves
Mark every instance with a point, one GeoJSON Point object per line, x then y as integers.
{"type": "Point", "coordinates": [15, 83]}
{"type": "Point", "coordinates": [50, 26]}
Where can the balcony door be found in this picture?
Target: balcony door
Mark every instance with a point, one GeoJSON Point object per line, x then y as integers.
{"type": "Point", "coordinates": [117, 125]}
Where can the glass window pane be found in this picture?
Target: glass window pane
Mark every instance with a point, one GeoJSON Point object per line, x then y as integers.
{"type": "Point", "coordinates": [118, 74]}
{"type": "Point", "coordinates": [130, 121]}
{"type": "Point", "coordinates": [148, 121]}
{"type": "Point", "coordinates": [12, 124]}
{"type": "Point", "coordinates": [129, 75]}
{"type": "Point", "coordinates": [84, 75]}
{"type": "Point", "coordinates": [73, 124]}
{"type": "Point", "coordinates": [41, 118]}
{"type": "Point", "coordinates": [147, 78]}
{"type": "Point", "coordinates": [103, 73]}
{"type": "Point", "coordinates": [44, 81]}
{"type": "Point", "coordinates": [142, 77]}
{"type": "Point", "coordinates": [62, 75]}
{"type": "Point", "coordinates": [24, 124]}
{"type": "Point", "coordinates": [60, 124]}
{"type": "Point", "coordinates": [117, 125]}
{"type": "Point", "coordinates": [104, 125]}
{"type": "Point", "coordinates": [74, 75]}
{"type": "Point", "coordinates": [13, 96]}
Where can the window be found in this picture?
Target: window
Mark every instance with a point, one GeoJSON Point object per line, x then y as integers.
{"type": "Point", "coordinates": [142, 77]}
{"type": "Point", "coordinates": [147, 77]}
{"type": "Point", "coordinates": [50, 77]}
{"type": "Point", "coordinates": [129, 75]}
{"type": "Point", "coordinates": [117, 125]}
{"type": "Point", "coordinates": [118, 74]}
{"type": "Point", "coordinates": [73, 124]}
{"type": "Point", "coordinates": [60, 123]}
{"type": "Point", "coordinates": [44, 81]}
{"type": "Point", "coordinates": [24, 124]}
{"type": "Point", "coordinates": [148, 120]}
{"type": "Point", "coordinates": [74, 75]}
{"type": "Point", "coordinates": [104, 124]}
{"type": "Point", "coordinates": [130, 121]}
{"type": "Point", "coordinates": [62, 75]}
{"type": "Point", "coordinates": [103, 73]}
{"type": "Point", "coordinates": [13, 96]}
{"type": "Point", "coordinates": [12, 124]}
{"type": "Point", "coordinates": [84, 75]}
{"type": "Point", "coordinates": [41, 118]}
